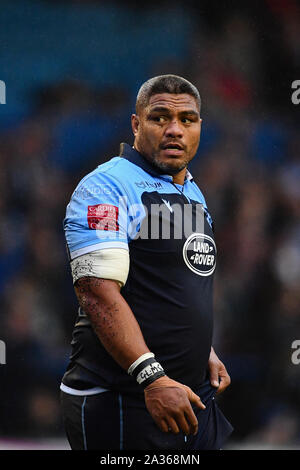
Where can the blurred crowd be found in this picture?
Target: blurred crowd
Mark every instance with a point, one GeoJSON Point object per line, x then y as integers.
{"type": "Point", "coordinates": [248, 167]}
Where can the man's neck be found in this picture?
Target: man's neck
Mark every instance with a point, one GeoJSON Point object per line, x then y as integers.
{"type": "Point", "coordinates": [179, 177]}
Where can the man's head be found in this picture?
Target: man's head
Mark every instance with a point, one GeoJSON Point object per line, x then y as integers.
{"type": "Point", "coordinates": [167, 122]}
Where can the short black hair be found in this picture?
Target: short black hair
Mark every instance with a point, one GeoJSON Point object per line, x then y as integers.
{"type": "Point", "coordinates": [165, 84]}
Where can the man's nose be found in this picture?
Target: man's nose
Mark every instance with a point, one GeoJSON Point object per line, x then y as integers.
{"type": "Point", "coordinates": [174, 129]}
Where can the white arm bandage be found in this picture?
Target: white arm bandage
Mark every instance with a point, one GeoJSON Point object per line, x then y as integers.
{"type": "Point", "coordinates": [109, 263]}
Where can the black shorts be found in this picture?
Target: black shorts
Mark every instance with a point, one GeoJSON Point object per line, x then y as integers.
{"type": "Point", "coordinates": [115, 421]}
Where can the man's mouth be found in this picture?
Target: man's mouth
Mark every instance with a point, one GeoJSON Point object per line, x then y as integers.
{"type": "Point", "coordinates": [172, 145]}
{"type": "Point", "coordinates": [172, 149]}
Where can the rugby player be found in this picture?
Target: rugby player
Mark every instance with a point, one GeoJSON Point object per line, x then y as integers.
{"type": "Point", "coordinates": [143, 373]}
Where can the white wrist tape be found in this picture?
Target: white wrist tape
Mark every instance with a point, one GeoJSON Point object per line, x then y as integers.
{"type": "Point", "coordinates": [138, 361]}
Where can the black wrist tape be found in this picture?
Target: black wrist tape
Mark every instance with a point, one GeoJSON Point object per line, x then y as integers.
{"type": "Point", "coordinates": [148, 371]}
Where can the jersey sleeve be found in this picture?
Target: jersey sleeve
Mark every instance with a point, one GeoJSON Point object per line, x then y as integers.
{"type": "Point", "coordinates": [96, 216]}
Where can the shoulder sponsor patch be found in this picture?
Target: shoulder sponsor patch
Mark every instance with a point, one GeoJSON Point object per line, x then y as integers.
{"type": "Point", "coordinates": [103, 217]}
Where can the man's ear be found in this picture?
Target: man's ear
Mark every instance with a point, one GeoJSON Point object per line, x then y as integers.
{"type": "Point", "coordinates": [135, 123]}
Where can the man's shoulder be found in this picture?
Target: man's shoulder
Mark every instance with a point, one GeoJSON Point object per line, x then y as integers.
{"type": "Point", "coordinates": [110, 179]}
{"type": "Point", "coordinates": [116, 169]}
{"type": "Point", "coordinates": [194, 191]}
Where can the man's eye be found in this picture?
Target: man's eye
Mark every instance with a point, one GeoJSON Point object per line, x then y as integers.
{"type": "Point", "coordinates": [186, 120]}
{"type": "Point", "coordinates": [159, 119]}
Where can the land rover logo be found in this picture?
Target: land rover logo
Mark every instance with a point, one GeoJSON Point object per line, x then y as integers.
{"type": "Point", "coordinates": [199, 254]}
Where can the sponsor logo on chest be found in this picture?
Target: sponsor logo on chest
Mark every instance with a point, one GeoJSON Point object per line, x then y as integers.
{"type": "Point", "coordinates": [199, 254]}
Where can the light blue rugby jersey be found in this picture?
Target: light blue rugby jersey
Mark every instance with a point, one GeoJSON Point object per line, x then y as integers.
{"type": "Point", "coordinates": [170, 281]}
{"type": "Point", "coordinates": [106, 210]}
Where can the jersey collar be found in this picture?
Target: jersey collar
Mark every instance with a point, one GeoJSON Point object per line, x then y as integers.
{"type": "Point", "coordinates": [128, 152]}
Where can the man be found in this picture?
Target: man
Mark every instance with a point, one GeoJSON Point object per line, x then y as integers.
{"type": "Point", "coordinates": [142, 373]}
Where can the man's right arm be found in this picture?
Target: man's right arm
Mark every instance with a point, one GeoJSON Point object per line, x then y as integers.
{"type": "Point", "coordinates": [112, 319]}
{"type": "Point", "coordinates": [168, 401]}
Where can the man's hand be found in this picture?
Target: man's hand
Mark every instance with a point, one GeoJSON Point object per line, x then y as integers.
{"type": "Point", "coordinates": [219, 376]}
{"type": "Point", "coordinates": [169, 403]}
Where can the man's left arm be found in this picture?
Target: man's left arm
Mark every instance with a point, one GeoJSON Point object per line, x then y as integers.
{"type": "Point", "coordinates": [218, 374]}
